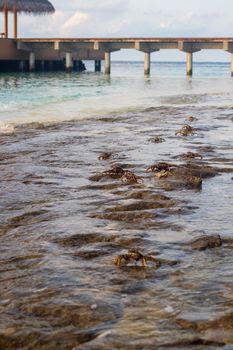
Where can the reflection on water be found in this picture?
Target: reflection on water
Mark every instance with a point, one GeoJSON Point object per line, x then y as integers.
{"type": "Point", "coordinates": [60, 231]}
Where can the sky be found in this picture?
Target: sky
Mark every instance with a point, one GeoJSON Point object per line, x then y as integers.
{"type": "Point", "coordinates": [135, 18]}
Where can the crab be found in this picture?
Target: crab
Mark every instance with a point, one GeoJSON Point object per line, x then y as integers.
{"type": "Point", "coordinates": [162, 173]}
{"type": "Point", "coordinates": [105, 156]}
{"type": "Point", "coordinates": [186, 130]}
{"type": "Point", "coordinates": [136, 256]}
{"type": "Point", "coordinates": [115, 170]}
{"type": "Point", "coordinates": [129, 177]}
{"type": "Point", "coordinates": [161, 166]}
{"type": "Point", "coordinates": [191, 118]}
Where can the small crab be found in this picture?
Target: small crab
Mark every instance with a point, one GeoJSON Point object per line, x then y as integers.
{"type": "Point", "coordinates": [129, 177]}
{"type": "Point", "coordinates": [136, 256]}
{"type": "Point", "coordinates": [191, 118]}
{"type": "Point", "coordinates": [162, 173]}
{"type": "Point", "coordinates": [115, 170]}
{"type": "Point", "coordinates": [160, 167]}
{"type": "Point", "coordinates": [186, 130]}
{"type": "Point", "coordinates": [105, 156]}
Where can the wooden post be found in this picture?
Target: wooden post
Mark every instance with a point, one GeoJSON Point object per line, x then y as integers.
{"type": "Point", "coordinates": [6, 22]}
{"type": "Point", "coordinates": [15, 23]}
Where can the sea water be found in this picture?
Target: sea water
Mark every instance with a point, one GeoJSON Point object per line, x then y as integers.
{"type": "Point", "coordinates": [60, 231]}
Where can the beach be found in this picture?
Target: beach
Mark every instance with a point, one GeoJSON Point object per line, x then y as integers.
{"type": "Point", "coordinates": [65, 217]}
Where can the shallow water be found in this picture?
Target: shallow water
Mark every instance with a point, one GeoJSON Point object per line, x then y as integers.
{"type": "Point", "coordinates": [60, 231]}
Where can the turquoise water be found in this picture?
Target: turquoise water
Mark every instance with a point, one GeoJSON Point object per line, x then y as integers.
{"type": "Point", "coordinates": [58, 96]}
{"type": "Point", "coordinates": [64, 219]}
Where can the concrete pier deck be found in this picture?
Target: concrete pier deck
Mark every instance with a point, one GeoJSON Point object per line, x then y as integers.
{"type": "Point", "coordinates": [101, 48]}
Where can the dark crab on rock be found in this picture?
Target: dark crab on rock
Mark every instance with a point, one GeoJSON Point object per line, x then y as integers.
{"type": "Point", "coordinates": [129, 177]}
{"type": "Point", "coordinates": [186, 130]}
{"type": "Point", "coordinates": [161, 166]}
{"type": "Point", "coordinates": [135, 256]}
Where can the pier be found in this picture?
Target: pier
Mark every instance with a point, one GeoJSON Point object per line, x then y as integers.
{"type": "Point", "coordinates": [31, 50]}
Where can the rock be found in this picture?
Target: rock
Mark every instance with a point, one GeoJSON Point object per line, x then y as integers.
{"type": "Point", "coordinates": [157, 139]}
{"type": "Point", "coordinates": [206, 242]}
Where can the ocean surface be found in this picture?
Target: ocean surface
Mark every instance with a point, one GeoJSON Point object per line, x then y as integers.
{"type": "Point", "coordinates": [65, 217]}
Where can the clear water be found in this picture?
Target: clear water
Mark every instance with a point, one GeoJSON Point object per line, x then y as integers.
{"type": "Point", "coordinates": [60, 231]}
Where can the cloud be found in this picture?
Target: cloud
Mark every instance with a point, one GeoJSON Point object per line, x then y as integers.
{"type": "Point", "coordinates": [78, 19]}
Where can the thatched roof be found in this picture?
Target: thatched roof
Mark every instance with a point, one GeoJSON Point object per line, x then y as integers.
{"type": "Point", "coordinates": [29, 6]}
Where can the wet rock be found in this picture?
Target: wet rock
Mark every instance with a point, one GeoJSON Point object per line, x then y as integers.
{"type": "Point", "coordinates": [191, 341]}
{"type": "Point", "coordinates": [115, 172]}
{"type": "Point", "coordinates": [28, 218]}
{"type": "Point", "coordinates": [206, 242]}
{"type": "Point", "coordinates": [223, 322]}
{"type": "Point", "coordinates": [130, 216]}
{"type": "Point", "coordinates": [148, 195]}
{"type": "Point", "coordinates": [140, 205]}
{"type": "Point", "coordinates": [97, 177]}
{"type": "Point", "coordinates": [190, 156]}
{"type": "Point", "coordinates": [173, 180]}
{"type": "Point", "coordinates": [156, 139]}
{"type": "Point", "coordinates": [108, 186]}
{"type": "Point", "coordinates": [194, 182]}
{"type": "Point", "coordinates": [83, 239]}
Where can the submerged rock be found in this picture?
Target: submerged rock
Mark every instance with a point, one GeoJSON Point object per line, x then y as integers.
{"type": "Point", "coordinates": [190, 156]}
{"type": "Point", "coordinates": [156, 139]}
{"type": "Point", "coordinates": [206, 242]}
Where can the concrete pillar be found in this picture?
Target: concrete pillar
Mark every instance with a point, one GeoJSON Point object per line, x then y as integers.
{"type": "Point", "coordinates": [232, 64]}
{"type": "Point", "coordinates": [107, 61]}
{"type": "Point", "coordinates": [15, 23]}
{"type": "Point", "coordinates": [147, 63]}
{"type": "Point", "coordinates": [42, 65]}
{"type": "Point", "coordinates": [6, 23]}
{"type": "Point", "coordinates": [189, 63]}
{"type": "Point", "coordinates": [50, 66]}
{"type": "Point", "coordinates": [22, 66]}
{"type": "Point", "coordinates": [69, 62]}
{"type": "Point", "coordinates": [32, 61]}
{"type": "Point", "coordinates": [97, 65]}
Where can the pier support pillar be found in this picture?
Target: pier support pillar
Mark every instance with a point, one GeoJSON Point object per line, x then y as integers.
{"type": "Point", "coordinates": [42, 65]}
{"type": "Point", "coordinates": [232, 64]}
{"type": "Point", "coordinates": [15, 23]}
{"type": "Point", "coordinates": [69, 62]}
{"type": "Point", "coordinates": [97, 65]}
{"type": "Point", "coordinates": [147, 58]}
{"type": "Point", "coordinates": [5, 23]}
{"type": "Point", "coordinates": [32, 61]}
{"type": "Point", "coordinates": [107, 61]}
{"type": "Point", "coordinates": [22, 66]}
{"type": "Point", "coordinates": [189, 63]}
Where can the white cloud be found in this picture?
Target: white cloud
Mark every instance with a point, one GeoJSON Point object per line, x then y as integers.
{"type": "Point", "coordinates": [78, 19]}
